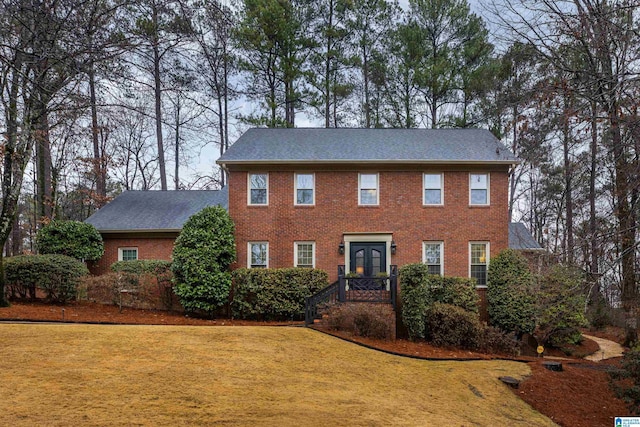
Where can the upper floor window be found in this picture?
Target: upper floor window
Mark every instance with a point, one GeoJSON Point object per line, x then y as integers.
{"type": "Point", "coordinates": [479, 261]}
{"type": "Point", "coordinates": [368, 189]}
{"type": "Point", "coordinates": [432, 257]}
{"type": "Point", "coordinates": [304, 254]}
{"type": "Point", "coordinates": [479, 189]}
{"type": "Point", "coordinates": [432, 183]}
{"type": "Point", "coordinates": [258, 254]}
{"type": "Point", "coordinates": [258, 188]}
{"type": "Point", "coordinates": [127, 254]}
{"type": "Point", "coordinates": [305, 189]}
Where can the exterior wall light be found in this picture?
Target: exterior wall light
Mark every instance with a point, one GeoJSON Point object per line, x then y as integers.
{"type": "Point", "coordinates": [393, 247]}
{"type": "Point", "coordinates": [341, 248]}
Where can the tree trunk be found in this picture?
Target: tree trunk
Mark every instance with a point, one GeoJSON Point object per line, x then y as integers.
{"type": "Point", "coordinates": [99, 166]}
{"type": "Point", "coordinates": [568, 177]}
{"type": "Point", "coordinates": [158, 100]}
{"type": "Point", "coordinates": [43, 161]}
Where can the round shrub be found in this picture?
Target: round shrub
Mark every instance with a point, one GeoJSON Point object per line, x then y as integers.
{"type": "Point", "coordinates": [72, 238]}
{"type": "Point", "coordinates": [57, 275]}
{"type": "Point", "coordinates": [448, 325]}
{"type": "Point", "coordinates": [201, 257]}
{"type": "Point", "coordinates": [510, 296]}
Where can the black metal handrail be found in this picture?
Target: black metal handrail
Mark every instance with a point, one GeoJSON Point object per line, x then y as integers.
{"type": "Point", "coordinates": [376, 289]}
{"type": "Point", "coordinates": [326, 295]}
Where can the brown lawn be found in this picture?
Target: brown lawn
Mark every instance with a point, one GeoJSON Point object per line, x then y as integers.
{"type": "Point", "coordinates": [180, 375]}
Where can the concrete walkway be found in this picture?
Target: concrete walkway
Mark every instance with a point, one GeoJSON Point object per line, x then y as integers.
{"type": "Point", "coordinates": [608, 349]}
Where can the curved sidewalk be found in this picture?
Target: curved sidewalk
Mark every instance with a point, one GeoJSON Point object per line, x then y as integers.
{"type": "Point", "coordinates": [608, 349]}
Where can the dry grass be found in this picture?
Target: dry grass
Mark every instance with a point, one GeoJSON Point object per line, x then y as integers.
{"type": "Point", "coordinates": [162, 375]}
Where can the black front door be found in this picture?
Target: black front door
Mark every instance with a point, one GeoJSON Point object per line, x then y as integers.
{"type": "Point", "coordinates": [368, 259]}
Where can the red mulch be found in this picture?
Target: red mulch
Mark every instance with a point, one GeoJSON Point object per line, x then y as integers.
{"type": "Point", "coordinates": [579, 396]}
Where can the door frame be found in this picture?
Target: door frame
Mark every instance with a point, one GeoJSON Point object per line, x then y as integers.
{"type": "Point", "coordinates": [385, 237]}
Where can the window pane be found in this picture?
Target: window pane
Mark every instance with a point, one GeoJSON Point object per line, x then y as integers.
{"type": "Point", "coordinates": [478, 253]}
{"type": "Point", "coordinates": [305, 181]}
{"type": "Point", "coordinates": [432, 180]}
{"type": "Point", "coordinates": [432, 253]}
{"type": "Point", "coordinates": [368, 181]}
{"type": "Point", "coordinates": [479, 272]}
{"type": "Point", "coordinates": [376, 266]}
{"type": "Point", "coordinates": [258, 197]}
{"type": "Point", "coordinates": [305, 255]}
{"type": "Point", "coordinates": [434, 269]}
{"type": "Point", "coordinates": [432, 197]}
{"type": "Point", "coordinates": [258, 255]}
{"type": "Point", "coordinates": [258, 181]}
{"type": "Point", "coordinates": [478, 197]}
{"type": "Point", "coordinates": [368, 197]}
{"type": "Point", "coordinates": [479, 182]}
{"type": "Point", "coordinates": [305, 197]}
{"type": "Point", "coordinates": [129, 254]}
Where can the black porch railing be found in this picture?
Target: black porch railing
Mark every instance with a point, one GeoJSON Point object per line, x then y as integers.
{"type": "Point", "coordinates": [354, 288]}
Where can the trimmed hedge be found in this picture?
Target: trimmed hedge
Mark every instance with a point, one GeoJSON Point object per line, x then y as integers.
{"type": "Point", "coordinates": [57, 275]}
{"type": "Point", "coordinates": [142, 266]}
{"type": "Point", "coordinates": [420, 290]}
{"type": "Point", "coordinates": [448, 325]}
{"type": "Point", "coordinates": [414, 279]}
{"type": "Point", "coordinates": [72, 238]}
{"type": "Point", "coordinates": [512, 306]}
{"type": "Point", "coordinates": [274, 293]}
{"type": "Point", "coordinates": [365, 320]}
{"type": "Point", "coordinates": [458, 291]}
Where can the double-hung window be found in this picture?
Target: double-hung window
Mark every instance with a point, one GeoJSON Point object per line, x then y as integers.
{"type": "Point", "coordinates": [479, 261]}
{"type": "Point", "coordinates": [432, 185]}
{"type": "Point", "coordinates": [304, 254]}
{"type": "Point", "coordinates": [305, 194]}
{"type": "Point", "coordinates": [258, 255]}
{"type": "Point", "coordinates": [127, 254]}
{"type": "Point", "coordinates": [368, 193]}
{"type": "Point", "coordinates": [479, 189]}
{"type": "Point", "coordinates": [432, 256]}
{"type": "Point", "coordinates": [258, 189]}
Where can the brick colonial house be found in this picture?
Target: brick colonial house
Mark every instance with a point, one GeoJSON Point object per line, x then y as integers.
{"type": "Point", "coordinates": [365, 199]}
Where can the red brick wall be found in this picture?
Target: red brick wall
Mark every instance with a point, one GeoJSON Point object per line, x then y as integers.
{"type": "Point", "coordinates": [400, 212]}
{"type": "Point", "coordinates": [148, 248]}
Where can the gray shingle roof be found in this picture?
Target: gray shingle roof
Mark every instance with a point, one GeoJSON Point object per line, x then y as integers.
{"type": "Point", "coordinates": [154, 210]}
{"type": "Point", "coordinates": [521, 239]}
{"type": "Point", "coordinates": [317, 145]}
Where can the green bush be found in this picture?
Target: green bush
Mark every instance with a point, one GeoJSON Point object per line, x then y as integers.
{"type": "Point", "coordinates": [274, 293]}
{"type": "Point", "coordinates": [365, 320]}
{"type": "Point", "coordinates": [561, 306]}
{"type": "Point", "coordinates": [458, 291]}
{"type": "Point", "coordinates": [57, 275]}
{"type": "Point", "coordinates": [448, 325]}
{"type": "Point", "coordinates": [414, 279]}
{"type": "Point", "coordinates": [627, 379]}
{"type": "Point", "coordinates": [201, 257]}
{"type": "Point", "coordinates": [72, 238]}
{"type": "Point", "coordinates": [137, 275]}
{"type": "Point", "coordinates": [510, 293]}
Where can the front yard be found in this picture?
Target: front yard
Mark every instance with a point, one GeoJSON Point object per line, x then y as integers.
{"type": "Point", "coordinates": [176, 375]}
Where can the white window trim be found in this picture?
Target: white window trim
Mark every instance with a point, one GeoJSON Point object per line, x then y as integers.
{"type": "Point", "coordinates": [249, 253]}
{"type": "Point", "coordinates": [249, 188]}
{"type": "Point", "coordinates": [295, 189]}
{"type": "Point", "coordinates": [313, 252]}
{"type": "Point", "coordinates": [488, 188]}
{"type": "Point", "coordinates": [424, 253]}
{"type": "Point", "coordinates": [377, 203]}
{"type": "Point", "coordinates": [424, 199]}
{"type": "Point", "coordinates": [128, 248]}
{"type": "Point", "coordinates": [476, 242]}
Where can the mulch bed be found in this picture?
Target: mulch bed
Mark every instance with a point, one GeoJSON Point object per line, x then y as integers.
{"type": "Point", "coordinates": [579, 396]}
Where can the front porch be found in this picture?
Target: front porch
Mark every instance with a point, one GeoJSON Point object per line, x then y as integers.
{"type": "Point", "coordinates": [356, 288]}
